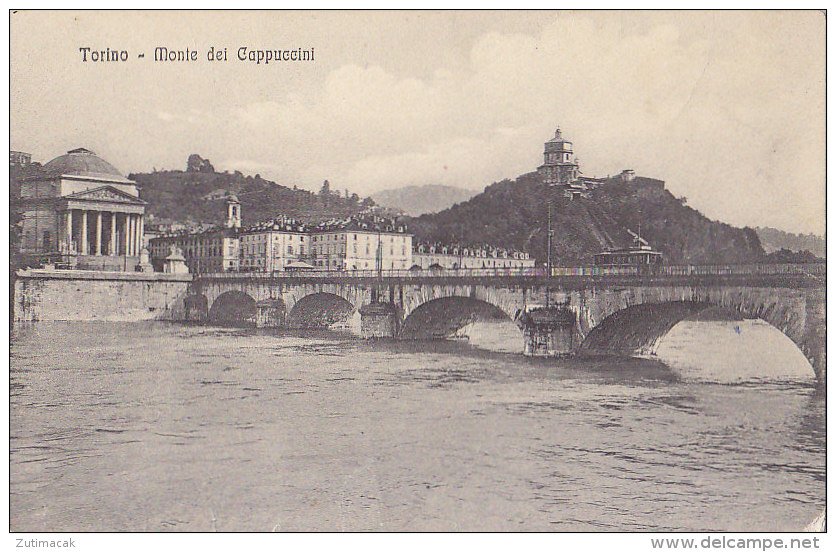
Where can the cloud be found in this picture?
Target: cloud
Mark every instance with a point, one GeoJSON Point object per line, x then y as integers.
{"type": "Point", "coordinates": [369, 129]}
{"type": "Point", "coordinates": [192, 117]}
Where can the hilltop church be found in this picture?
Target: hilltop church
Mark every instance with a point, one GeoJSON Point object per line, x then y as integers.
{"type": "Point", "coordinates": [560, 168]}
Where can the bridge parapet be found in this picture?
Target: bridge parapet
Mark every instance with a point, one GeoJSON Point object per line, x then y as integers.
{"type": "Point", "coordinates": [570, 278]}
{"type": "Point", "coordinates": [647, 271]}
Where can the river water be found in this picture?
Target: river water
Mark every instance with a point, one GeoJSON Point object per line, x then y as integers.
{"type": "Point", "coordinates": [165, 427]}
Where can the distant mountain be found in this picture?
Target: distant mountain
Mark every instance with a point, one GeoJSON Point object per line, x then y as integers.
{"type": "Point", "coordinates": [775, 240]}
{"type": "Point", "coordinates": [514, 214]}
{"type": "Point", "coordinates": [418, 200]}
{"type": "Point", "coordinates": [783, 256]}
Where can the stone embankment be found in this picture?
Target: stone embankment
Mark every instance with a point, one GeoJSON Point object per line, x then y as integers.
{"type": "Point", "coordinates": [41, 294]}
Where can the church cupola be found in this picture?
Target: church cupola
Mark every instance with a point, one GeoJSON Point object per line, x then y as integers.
{"type": "Point", "coordinates": [559, 168]}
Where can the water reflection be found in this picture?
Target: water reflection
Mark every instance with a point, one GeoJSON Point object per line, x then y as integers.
{"type": "Point", "coordinates": [733, 352]}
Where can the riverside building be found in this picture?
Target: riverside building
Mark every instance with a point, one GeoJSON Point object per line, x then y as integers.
{"type": "Point", "coordinates": [19, 158]}
{"type": "Point", "coordinates": [361, 242]}
{"type": "Point", "coordinates": [213, 250]}
{"type": "Point", "coordinates": [279, 244]}
{"type": "Point", "coordinates": [365, 242]}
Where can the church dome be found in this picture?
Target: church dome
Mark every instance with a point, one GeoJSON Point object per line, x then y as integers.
{"type": "Point", "coordinates": [83, 162]}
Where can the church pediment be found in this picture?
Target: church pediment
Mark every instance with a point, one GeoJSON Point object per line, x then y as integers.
{"type": "Point", "coordinates": [106, 193]}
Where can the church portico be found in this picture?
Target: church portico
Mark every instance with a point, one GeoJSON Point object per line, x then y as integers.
{"type": "Point", "coordinates": [100, 233]}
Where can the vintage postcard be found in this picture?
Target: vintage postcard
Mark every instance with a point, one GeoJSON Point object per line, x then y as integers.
{"type": "Point", "coordinates": [418, 271]}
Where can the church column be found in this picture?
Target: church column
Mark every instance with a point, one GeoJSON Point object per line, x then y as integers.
{"type": "Point", "coordinates": [112, 247]}
{"type": "Point", "coordinates": [69, 229]}
{"type": "Point", "coordinates": [83, 248]}
{"type": "Point", "coordinates": [123, 235]}
{"type": "Point", "coordinates": [98, 233]}
{"type": "Point", "coordinates": [141, 238]}
{"type": "Point", "coordinates": [135, 232]}
{"type": "Point", "coordinates": [133, 235]}
{"type": "Point", "coordinates": [127, 239]}
{"type": "Point", "coordinates": [129, 234]}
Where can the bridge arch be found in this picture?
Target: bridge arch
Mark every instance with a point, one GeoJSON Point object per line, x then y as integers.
{"type": "Point", "coordinates": [320, 310]}
{"type": "Point", "coordinates": [444, 316]}
{"type": "Point", "coordinates": [508, 300]}
{"type": "Point", "coordinates": [634, 321]}
{"type": "Point", "coordinates": [639, 328]}
{"type": "Point", "coordinates": [233, 308]}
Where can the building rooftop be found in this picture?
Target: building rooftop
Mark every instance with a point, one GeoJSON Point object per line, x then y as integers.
{"type": "Point", "coordinates": [356, 223]}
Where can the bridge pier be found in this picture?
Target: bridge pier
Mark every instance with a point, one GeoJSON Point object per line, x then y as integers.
{"type": "Point", "coordinates": [379, 320]}
{"type": "Point", "coordinates": [549, 331]}
{"type": "Point", "coordinates": [196, 309]}
{"type": "Point", "coordinates": [818, 358]}
{"type": "Point", "coordinates": [815, 340]}
{"type": "Point", "coordinates": [269, 314]}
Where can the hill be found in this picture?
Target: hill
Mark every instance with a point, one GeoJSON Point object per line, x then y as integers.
{"type": "Point", "coordinates": [418, 200]}
{"type": "Point", "coordinates": [513, 214]}
{"type": "Point", "coordinates": [774, 240]}
{"type": "Point", "coordinates": [197, 195]}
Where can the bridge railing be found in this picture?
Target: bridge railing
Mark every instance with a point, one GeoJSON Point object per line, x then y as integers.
{"type": "Point", "coordinates": [693, 270]}
{"type": "Point", "coordinates": [657, 271]}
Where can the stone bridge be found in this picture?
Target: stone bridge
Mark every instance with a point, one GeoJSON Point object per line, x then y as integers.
{"type": "Point", "coordinates": [621, 310]}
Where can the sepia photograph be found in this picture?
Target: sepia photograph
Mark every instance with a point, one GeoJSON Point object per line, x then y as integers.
{"type": "Point", "coordinates": [321, 271]}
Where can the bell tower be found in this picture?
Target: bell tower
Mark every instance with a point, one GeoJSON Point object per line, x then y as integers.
{"type": "Point", "coordinates": [233, 212]}
{"type": "Point", "coordinates": [559, 167]}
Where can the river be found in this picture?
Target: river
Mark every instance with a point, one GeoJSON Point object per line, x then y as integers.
{"type": "Point", "coordinates": [164, 427]}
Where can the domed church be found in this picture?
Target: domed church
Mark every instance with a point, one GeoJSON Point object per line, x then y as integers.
{"type": "Point", "coordinates": [80, 211]}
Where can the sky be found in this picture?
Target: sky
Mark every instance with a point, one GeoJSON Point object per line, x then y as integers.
{"type": "Point", "coordinates": [727, 107]}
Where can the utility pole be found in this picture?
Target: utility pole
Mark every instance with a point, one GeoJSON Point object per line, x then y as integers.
{"type": "Point", "coordinates": [379, 262]}
{"type": "Point", "coordinates": [379, 254]}
{"type": "Point", "coordinates": [549, 247]}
